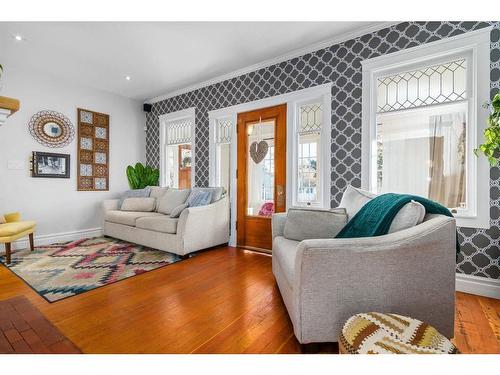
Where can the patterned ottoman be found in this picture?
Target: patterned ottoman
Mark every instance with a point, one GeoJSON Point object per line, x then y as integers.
{"type": "Point", "coordinates": [376, 333]}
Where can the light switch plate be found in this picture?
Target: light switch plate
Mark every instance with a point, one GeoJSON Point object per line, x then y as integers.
{"type": "Point", "coordinates": [15, 164]}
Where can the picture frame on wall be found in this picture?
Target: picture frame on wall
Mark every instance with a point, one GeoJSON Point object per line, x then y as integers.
{"type": "Point", "coordinates": [50, 165]}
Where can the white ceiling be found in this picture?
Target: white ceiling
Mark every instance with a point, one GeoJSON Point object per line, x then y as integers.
{"type": "Point", "coordinates": [160, 57]}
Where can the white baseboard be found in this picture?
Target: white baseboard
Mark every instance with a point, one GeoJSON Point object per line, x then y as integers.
{"type": "Point", "coordinates": [480, 286]}
{"type": "Point", "coordinates": [47, 239]}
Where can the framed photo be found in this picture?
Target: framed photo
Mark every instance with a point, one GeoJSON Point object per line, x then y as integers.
{"type": "Point", "coordinates": [46, 164]}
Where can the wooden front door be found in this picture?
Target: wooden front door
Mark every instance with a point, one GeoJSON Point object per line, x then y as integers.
{"type": "Point", "coordinates": [184, 166]}
{"type": "Point", "coordinates": [261, 174]}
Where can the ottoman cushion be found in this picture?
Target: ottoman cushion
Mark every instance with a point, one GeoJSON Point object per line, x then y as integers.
{"type": "Point", "coordinates": [376, 333]}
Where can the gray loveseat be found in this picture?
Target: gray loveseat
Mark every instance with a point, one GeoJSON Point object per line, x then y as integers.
{"type": "Point", "coordinates": [323, 282]}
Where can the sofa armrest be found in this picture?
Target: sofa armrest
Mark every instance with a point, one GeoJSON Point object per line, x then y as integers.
{"type": "Point", "coordinates": [410, 272]}
{"type": "Point", "coordinates": [204, 226]}
{"type": "Point", "coordinates": [278, 224]}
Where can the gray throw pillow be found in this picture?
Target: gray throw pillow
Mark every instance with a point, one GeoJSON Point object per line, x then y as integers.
{"type": "Point", "coordinates": [199, 198]}
{"type": "Point", "coordinates": [217, 192]}
{"type": "Point", "coordinates": [176, 212]}
{"type": "Point", "coordinates": [306, 224]}
{"type": "Point", "coordinates": [139, 204]}
{"type": "Point", "coordinates": [171, 199]}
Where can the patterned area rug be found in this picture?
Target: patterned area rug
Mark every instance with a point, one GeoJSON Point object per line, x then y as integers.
{"type": "Point", "coordinates": [66, 269]}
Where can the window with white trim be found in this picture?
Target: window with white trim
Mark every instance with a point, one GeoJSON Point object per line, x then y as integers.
{"type": "Point", "coordinates": [422, 118]}
{"type": "Point", "coordinates": [309, 143]}
{"type": "Point", "coordinates": [177, 153]}
{"type": "Point", "coordinates": [223, 133]}
{"type": "Point", "coordinates": [311, 152]}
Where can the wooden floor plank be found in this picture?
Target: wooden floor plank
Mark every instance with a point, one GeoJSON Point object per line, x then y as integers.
{"type": "Point", "coordinates": [220, 301]}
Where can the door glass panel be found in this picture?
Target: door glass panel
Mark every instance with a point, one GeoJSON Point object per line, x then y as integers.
{"type": "Point", "coordinates": [260, 168]}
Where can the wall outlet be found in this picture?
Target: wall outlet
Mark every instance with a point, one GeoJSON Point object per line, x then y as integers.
{"type": "Point", "coordinates": [15, 164]}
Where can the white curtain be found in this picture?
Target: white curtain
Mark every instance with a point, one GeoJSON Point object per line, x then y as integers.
{"type": "Point", "coordinates": [447, 159]}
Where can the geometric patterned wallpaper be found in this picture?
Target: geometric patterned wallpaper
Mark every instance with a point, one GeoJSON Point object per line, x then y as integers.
{"type": "Point", "coordinates": [340, 64]}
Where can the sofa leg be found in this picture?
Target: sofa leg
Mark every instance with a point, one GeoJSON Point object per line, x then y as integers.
{"type": "Point", "coordinates": [32, 244]}
{"type": "Point", "coordinates": [7, 253]}
{"type": "Point", "coordinates": [184, 257]}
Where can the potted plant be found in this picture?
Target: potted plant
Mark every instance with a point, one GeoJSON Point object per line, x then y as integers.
{"type": "Point", "coordinates": [140, 176]}
{"type": "Point", "coordinates": [491, 146]}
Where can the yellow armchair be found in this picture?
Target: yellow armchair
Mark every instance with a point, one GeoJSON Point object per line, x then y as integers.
{"type": "Point", "coordinates": [13, 228]}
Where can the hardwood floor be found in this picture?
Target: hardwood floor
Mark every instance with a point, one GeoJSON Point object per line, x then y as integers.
{"type": "Point", "coordinates": [220, 301]}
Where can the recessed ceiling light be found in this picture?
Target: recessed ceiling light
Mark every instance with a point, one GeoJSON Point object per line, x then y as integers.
{"type": "Point", "coordinates": [18, 37]}
{"type": "Point", "coordinates": [128, 78]}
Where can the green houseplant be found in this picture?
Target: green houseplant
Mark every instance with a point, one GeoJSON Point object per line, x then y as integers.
{"type": "Point", "coordinates": [491, 146]}
{"type": "Point", "coordinates": [140, 176]}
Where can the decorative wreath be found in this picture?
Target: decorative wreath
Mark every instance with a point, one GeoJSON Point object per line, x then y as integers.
{"type": "Point", "coordinates": [51, 129]}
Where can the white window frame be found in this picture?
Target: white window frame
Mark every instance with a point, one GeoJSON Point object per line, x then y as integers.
{"type": "Point", "coordinates": [323, 151]}
{"type": "Point", "coordinates": [185, 114]}
{"type": "Point", "coordinates": [315, 94]}
{"type": "Point", "coordinates": [475, 47]}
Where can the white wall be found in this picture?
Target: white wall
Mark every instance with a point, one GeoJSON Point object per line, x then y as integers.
{"type": "Point", "coordinates": [54, 203]}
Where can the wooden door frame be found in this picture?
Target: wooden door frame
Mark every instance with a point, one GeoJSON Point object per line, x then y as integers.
{"type": "Point", "coordinates": [291, 99]}
{"type": "Point", "coordinates": [279, 114]}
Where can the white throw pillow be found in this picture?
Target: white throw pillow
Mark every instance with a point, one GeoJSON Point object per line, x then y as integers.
{"type": "Point", "coordinates": [410, 215]}
{"type": "Point", "coordinates": [171, 199]}
{"type": "Point", "coordinates": [139, 204]}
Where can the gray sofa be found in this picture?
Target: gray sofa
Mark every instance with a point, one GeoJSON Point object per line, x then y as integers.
{"type": "Point", "coordinates": [324, 282]}
{"type": "Point", "coordinates": [195, 229]}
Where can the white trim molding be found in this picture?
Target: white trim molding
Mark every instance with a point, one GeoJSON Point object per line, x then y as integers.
{"type": "Point", "coordinates": [481, 286]}
{"type": "Point", "coordinates": [296, 53]}
{"type": "Point", "coordinates": [320, 92]}
{"type": "Point", "coordinates": [47, 239]}
{"type": "Point", "coordinates": [188, 113]}
{"type": "Point", "coordinates": [474, 46]}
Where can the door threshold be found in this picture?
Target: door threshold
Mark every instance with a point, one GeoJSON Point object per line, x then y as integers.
{"type": "Point", "coordinates": [256, 249]}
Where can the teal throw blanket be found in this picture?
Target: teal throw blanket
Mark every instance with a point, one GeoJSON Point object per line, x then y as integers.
{"type": "Point", "coordinates": [376, 216]}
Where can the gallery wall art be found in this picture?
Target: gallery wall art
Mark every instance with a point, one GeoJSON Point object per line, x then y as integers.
{"type": "Point", "coordinates": [93, 151]}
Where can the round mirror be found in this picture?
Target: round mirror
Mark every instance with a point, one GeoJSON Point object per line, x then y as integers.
{"type": "Point", "coordinates": [53, 130]}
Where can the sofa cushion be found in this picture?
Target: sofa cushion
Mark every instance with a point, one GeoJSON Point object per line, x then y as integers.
{"type": "Point", "coordinates": [164, 224]}
{"type": "Point", "coordinates": [306, 224]}
{"type": "Point", "coordinates": [137, 193]}
{"type": "Point", "coordinates": [171, 199]}
{"type": "Point", "coordinates": [139, 204]}
{"type": "Point", "coordinates": [127, 217]}
{"type": "Point", "coordinates": [217, 192]}
{"type": "Point", "coordinates": [157, 191]}
{"type": "Point", "coordinates": [11, 229]}
{"type": "Point", "coordinates": [199, 198]}
{"type": "Point", "coordinates": [410, 215]}
{"type": "Point", "coordinates": [285, 251]}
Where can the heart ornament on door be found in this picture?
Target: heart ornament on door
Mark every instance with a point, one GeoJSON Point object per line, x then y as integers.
{"type": "Point", "coordinates": [258, 151]}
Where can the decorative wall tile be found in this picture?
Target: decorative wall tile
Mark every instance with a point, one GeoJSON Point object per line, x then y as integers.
{"type": "Point", "coordinates": [86, 156]}
{"type": "Point", "coordinates": [86, 170]}
{"type": "Point", "coordinates": [100, 184]}
{"type": "Point", "coordinates": [86, 143]}
{"type": "Point", "coordinates": [340, 64]}
{"type": "Point", "coordinates": [86, 117]}
{"type": "Point", "coordinates": [100, 132]}
{"type": "Point", "coordinates": [100, 158]}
